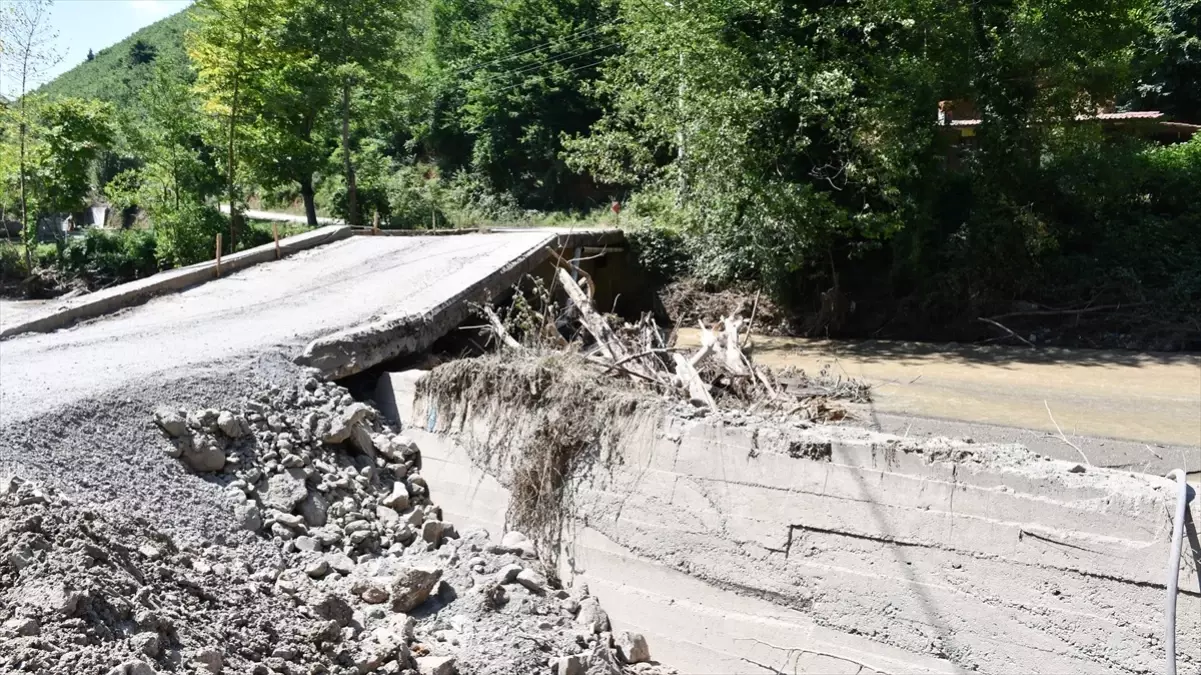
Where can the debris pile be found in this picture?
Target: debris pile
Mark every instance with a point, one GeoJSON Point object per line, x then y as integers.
{"type": "Point", "coordinates": [719, 371]}
{"type": "Point", "coordinates": [363, 574]}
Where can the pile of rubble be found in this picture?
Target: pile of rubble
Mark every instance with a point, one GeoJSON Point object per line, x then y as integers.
{"type": "Point", "coordinates": [365, 577]}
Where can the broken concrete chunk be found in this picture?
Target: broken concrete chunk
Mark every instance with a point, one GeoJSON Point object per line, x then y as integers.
{"type": "Point", "coordinates": [146, 643]}
{"type": "Point", "coordinates": [204, 455]}
{"type": "Point", "coordinates": [601, 661]}
{"type": "Point", "coordinates": [360, 437]}
{"type": "Point", "coordinates": [412, 586]}
{"type": "Point", "coordinates": [569, 665]}
{"type": "Point", "coordinates": [317, 569]}
{"type": "Point", "coordinates": [533, 581]}
{"type": "Point", "coordinates": [285, 490]}
{"type": "Point", "coordinates": [230, 424]}
{"type": "Point", "coordinates": [342, 426]}
{"type": "Point", "coordinates": [171, 421]}
{"type": "Point", "coordinates": [436, 665]}
{"type": "Point", "coordinates": [210, 660]}
{"type": "Point", "coordinates": [431, 532]}
{"type": "Point", "coordinates": [340, 562]}
{"type": "Point", "coordinates": [22, 626]}
{"type": "Point", "coordinates": [631, 647]}
{"type": "Point", "coordinates": [385, 642]}
{"type": "Point", "coordinates": [315, 509]}
{"type": "Point", "coordinates": [133, 668]}
{"type": "Point", "coordinates": [508, 574]}
{"type": "Point", "coordinates": [248, 516]}
{"type": "Point", "coordinates": [399, 497]}
{"type": "Point", "coordinates": [334, 608]}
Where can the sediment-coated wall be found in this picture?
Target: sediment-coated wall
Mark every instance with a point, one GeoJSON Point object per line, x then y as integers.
{"type": "Point", "coordinates": [742, 547]}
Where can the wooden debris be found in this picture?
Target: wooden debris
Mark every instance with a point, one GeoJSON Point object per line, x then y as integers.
{"type": "Point", "coordinates": [638, 351]}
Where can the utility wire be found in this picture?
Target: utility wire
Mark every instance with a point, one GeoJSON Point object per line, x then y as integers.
{"type": "Point", "coordinates": [566, 72]}
{"type": "Point", "coordinates": [545, 62]}
{"type": "Point", "coordinates": [566, 38]}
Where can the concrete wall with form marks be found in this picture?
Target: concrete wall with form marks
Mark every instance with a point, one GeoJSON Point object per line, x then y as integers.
{"type": "Point", "coordinates": [740, 547]}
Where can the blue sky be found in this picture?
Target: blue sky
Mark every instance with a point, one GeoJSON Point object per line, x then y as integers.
{"type": "Point", "coordinates": [95, 24]}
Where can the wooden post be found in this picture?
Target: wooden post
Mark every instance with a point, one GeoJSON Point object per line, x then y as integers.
{"type": "Point", "coordinates": [275, 232]}
{"type": "Point", "coordinates": [375, 223]}
{"type": "Point", "coordinates": [218, 254]}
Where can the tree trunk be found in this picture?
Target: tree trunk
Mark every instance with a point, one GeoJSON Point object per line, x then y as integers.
{"type": "Point", "coordinates": [310, 208]}
{"type": "Point", "coordinates": [24, 214]}
{"type": "Point", "coordinates": [352, 198]}
{"type": "Point", "coordinates": [25, 235]}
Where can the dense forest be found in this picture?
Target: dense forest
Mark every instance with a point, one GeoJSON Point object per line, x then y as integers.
{"type": "Point", "coordinates": [898, 168]}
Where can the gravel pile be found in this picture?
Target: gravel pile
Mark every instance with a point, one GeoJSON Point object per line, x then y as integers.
{"type": "Point", "coordinates": [337, 560]}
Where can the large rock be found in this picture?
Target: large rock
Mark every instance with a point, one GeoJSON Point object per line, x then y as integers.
{"type": "Point", "coordinates": [285, 490]}
{"type": "Point", "coordinates": [591, 615]}
{"type": "Point", "coordinates": [412, 585]}
{"type": "Point", "coordinates": [631, 647]}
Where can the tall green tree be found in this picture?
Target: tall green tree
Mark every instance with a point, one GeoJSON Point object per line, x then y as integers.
{"type": "Point", "coordinates": [358, 42]}
{"type": "Point", "coordinates": [27, 49]}
{"type": "Point", "coordinates": [505, 81]}
{"type": "Point", "coordinates": [295, 95]}
{"type": "Point", "coordinates": [230, 47]}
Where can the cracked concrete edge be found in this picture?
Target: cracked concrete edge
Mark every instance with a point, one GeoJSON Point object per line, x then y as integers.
{"type": "Point", "coordinates": [137, 292]}
{"type": "Point", "coordinates": [390, 336]}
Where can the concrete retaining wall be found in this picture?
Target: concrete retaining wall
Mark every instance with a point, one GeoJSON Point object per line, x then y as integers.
{"type": "Point", "coordinates": [742, 548]}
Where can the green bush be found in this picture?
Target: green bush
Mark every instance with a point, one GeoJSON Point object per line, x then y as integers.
{"type": "Point", "coordinates": [12, 261]}
{"type": "Point", "coordinates": [412, 201]}
{"type": "Point", "coordinates": [661, 251]}
{"type": "Point", "coordinates": [188, 235]}
{"type": "Point", "coordinates": [103, 258]}
{"type": "Point", "coordinates": [46, 255]}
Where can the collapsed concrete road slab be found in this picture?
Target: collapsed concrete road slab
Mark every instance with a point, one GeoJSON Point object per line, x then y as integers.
{"type": "Point", "coordinates": [401, 293]}
{"type": "Point", "coordinates": [744, 546]}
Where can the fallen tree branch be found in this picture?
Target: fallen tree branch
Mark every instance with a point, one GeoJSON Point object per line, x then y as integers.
{"type": "Point", "coordinates": [1068, 312]}
{"type": "Point", "coordinates": [1065, 438]}
{"type": "Point", "coordinates": [697, 389]}
{"type": "Point", "coordinates": [498, 329]}
{"type": "Point", "coordinates": [1013, 334]}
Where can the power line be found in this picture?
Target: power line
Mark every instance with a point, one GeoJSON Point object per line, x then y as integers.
{"type": "Point", "coordinates": [545, 62]}
{"type": "Point", "coordinates": [566, 38]}
{"type": "Point", "coordinates": [566, 72]}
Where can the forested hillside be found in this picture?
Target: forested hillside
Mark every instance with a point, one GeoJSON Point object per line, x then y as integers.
{"type": "Point", "coordinates": [118, 73]}
{"type": "Point", "coordinates": [898, 168]}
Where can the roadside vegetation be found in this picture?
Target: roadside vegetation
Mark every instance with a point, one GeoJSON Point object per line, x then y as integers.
{"type": "Point", "coordinates": [790, 146]}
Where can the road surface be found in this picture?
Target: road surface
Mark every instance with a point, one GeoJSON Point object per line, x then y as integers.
{"type": "Point", "coordinates": [1122, 409]}
{"type": "Point", "coordinates": [281, 304]}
